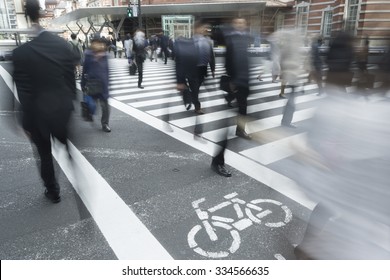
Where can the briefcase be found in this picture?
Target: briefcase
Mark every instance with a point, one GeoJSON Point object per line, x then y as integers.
{"type": "Point", "coordinates": [224, 83]}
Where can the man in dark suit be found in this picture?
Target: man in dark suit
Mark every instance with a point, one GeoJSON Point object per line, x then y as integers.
{"type": "Point", "coordinates": [237, 67]}
{"type": "Point", "coordinates": [45, 80]}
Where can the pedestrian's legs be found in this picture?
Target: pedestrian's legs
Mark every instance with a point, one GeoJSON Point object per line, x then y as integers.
{"type": "Point", "coordinates": [140, 66]}
{"type": "Point", "coordinates": [318, 220]}
{"type": "Point", "coordinates": [289, 109]}
{"type": "Point", "coordinates": [45, 160]}
{"type": "Point", "coordinates": [194, 87]}
{"type": "Point", "coordinates": [166, 53]}
{"type": "Point", "coordinates": [105, 111]}
{"type": "Point", "coordinates": [218, 161]}
{"type": "Point", "coordinates": [242, 99]}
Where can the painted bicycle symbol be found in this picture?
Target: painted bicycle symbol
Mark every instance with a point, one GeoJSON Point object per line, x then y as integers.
{"type": "Point", "coordinates": [248, 213]}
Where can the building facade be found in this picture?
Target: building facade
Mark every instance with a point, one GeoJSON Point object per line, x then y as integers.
{"type": "Point", "coordinates": [8, 18]}
{"type": "Point", "coordinates": [363, 18]}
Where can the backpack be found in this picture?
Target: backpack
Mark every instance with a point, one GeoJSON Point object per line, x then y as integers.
{"type": "Point", "coordinates": [76, 51]}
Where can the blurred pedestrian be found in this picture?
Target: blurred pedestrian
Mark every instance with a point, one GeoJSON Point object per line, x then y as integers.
{"type": "Point", "coordinates": [139, 49]}
{"type": "Point", "coordinates": [113, 46]}
{"type": "Point", "coordinates": [45, 80]}
{"type": "Point", "coordinates": [153, 43]}
{"type": "Point", "coordinates": [205, 50]}
{"type": "Point", "coordinates": [128, 45]}
{"type": "Point", "coordinates": [237, 67]}
{"type": "Point", "coordinates": [164, 45]}
{"type": "Point", "coordinates": [95, 70]}
{"type": "Point", "coordinates": [77, 51]}
{"type": "Point", "coordinates": [316, 64]}
{"type": "Point", "coordinates": [289, 44]}
{"type": "Point", "coordinates": [119, 47]}
{"type": "Point", "coordinates": [339, 59]}
{"type": "Point", "coordinates": [343, 166]}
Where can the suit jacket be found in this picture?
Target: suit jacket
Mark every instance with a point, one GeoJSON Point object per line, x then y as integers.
{"type": "Point", "coordinates": [186, 60]}
{"type": "Point", "coordinates": [237, 60]}
{"type": "Point", "coordinates": [45, 80]}
{"type": "Point", "coordinates": [96, 68]}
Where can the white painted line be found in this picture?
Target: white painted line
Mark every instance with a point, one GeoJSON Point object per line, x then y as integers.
{"type": "Point", "coordinates": [136, 95]}
{"type": "Point", "coordinates": [247, 166]}
{"type": "Point", "coordinates": [222, 219]}
{"type": "Point", "coordinates": [9, 81]}
{"type": "Point", "coordinates": [125, 233]}
{"type": "Point", "coordinates": [180, 108]}
{"type": "Point", "coordinates": [223, 114]}
{"type": "Point", "coordinates": [219, 206]}
{"type": "Point", "coordinates": [279, 257]}
{"type": "Point", "coordinates": [256, 126]}
{"type": "Point", "coordinates": [170, 82]}
{"type": "Point", "coordinates": [243, 224]}
{"type": "Point", "coordinates": [274, 151]}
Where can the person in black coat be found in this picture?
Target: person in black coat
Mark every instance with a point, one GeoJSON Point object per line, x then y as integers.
{"type": "Point", "coordinates": [339, 59]}
{"type": "Point", "coordinates": [164, 45]}
{"type": "Point", "coordinates": [45, 92]}
{"type": "Point", "coordinates": [96, 68]}
{"type": "Point", "coordinates": [139, 50]}
{"type": "Point", "coordinates": [237, 67]}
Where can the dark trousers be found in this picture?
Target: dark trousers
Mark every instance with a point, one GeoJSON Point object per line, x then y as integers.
{"type": "Point", "coordinates": [41, 137]}
{"type": "Point", "coordinates": [194, 85]}
{"type": "Point", "coordinates": [105, 111]}
{"type": "Point", "coordinates": [289, 109]}
{"type": "Point", "coordinates": [140, 68]}
{"type": "Point", "coordinates": [219, 158]}
{"type": "Point", "coordinates": [202, 74]}
{"type": "Point", "coordinates": [166, 54]}
{"type": "Point", "coordinates": [242, 94]}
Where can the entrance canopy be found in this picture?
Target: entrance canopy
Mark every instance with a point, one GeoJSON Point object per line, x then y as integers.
{"type": "Point", "coordinates": [201, 9]}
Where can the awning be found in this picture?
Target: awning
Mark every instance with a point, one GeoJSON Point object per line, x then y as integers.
{"type": "Point", "coordinates": [204, 9]}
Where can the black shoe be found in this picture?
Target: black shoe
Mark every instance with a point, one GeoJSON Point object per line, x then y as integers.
{"type": "Point", "coordinates": [88, 118]}
{"type": "Point", "coordinates": [141, 87]}
{"type": "Point", "coordinates": [53, 197]}
{"type": "Point", "coordinates": [241, 133]}
{"type": "Point", "coordinates": [221, 170]}
{"type": "Point", "coordinates": [199, 112]}
{"type": "Point", "coordinates": [289, 125]}
{"type": "Point", "coordinates": [106, 128]}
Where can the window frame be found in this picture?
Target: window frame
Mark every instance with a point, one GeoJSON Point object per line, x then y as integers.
{"type": "Point", "coordinates": [326, 25]}
{"type": "Point", "coordinates": [299, 16]}
{"type": "Point", "coordinates": [352, 25]}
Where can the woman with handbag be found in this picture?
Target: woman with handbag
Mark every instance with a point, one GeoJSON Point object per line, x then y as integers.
{"type": "Point", "coordinates": [94, 81]}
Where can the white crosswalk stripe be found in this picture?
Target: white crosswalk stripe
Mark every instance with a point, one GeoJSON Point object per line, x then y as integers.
{"type": "Point", "coordinates": [160, 99]}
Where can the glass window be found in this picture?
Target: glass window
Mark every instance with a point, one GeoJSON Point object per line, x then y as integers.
{"type": "Point", "coordinates": [279, 22]}
{"type": "Point", "coordinates": [326, 29]}
{"type": "Point", "coordinates": [302, 17]}
{"type": "Point", "coordinates": [352, 15]}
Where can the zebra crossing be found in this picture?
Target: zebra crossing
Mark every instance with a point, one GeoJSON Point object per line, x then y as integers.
{"type": "Point", "coordinates": [161, 100]}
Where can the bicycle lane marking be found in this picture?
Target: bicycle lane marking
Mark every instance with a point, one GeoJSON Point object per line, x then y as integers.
{"type": "Point", "coordinates": [264, 175]}
{"type": "Point", "coordinates": [210, 222]}
{"type": "Point", "coordinates": [126, 234]}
